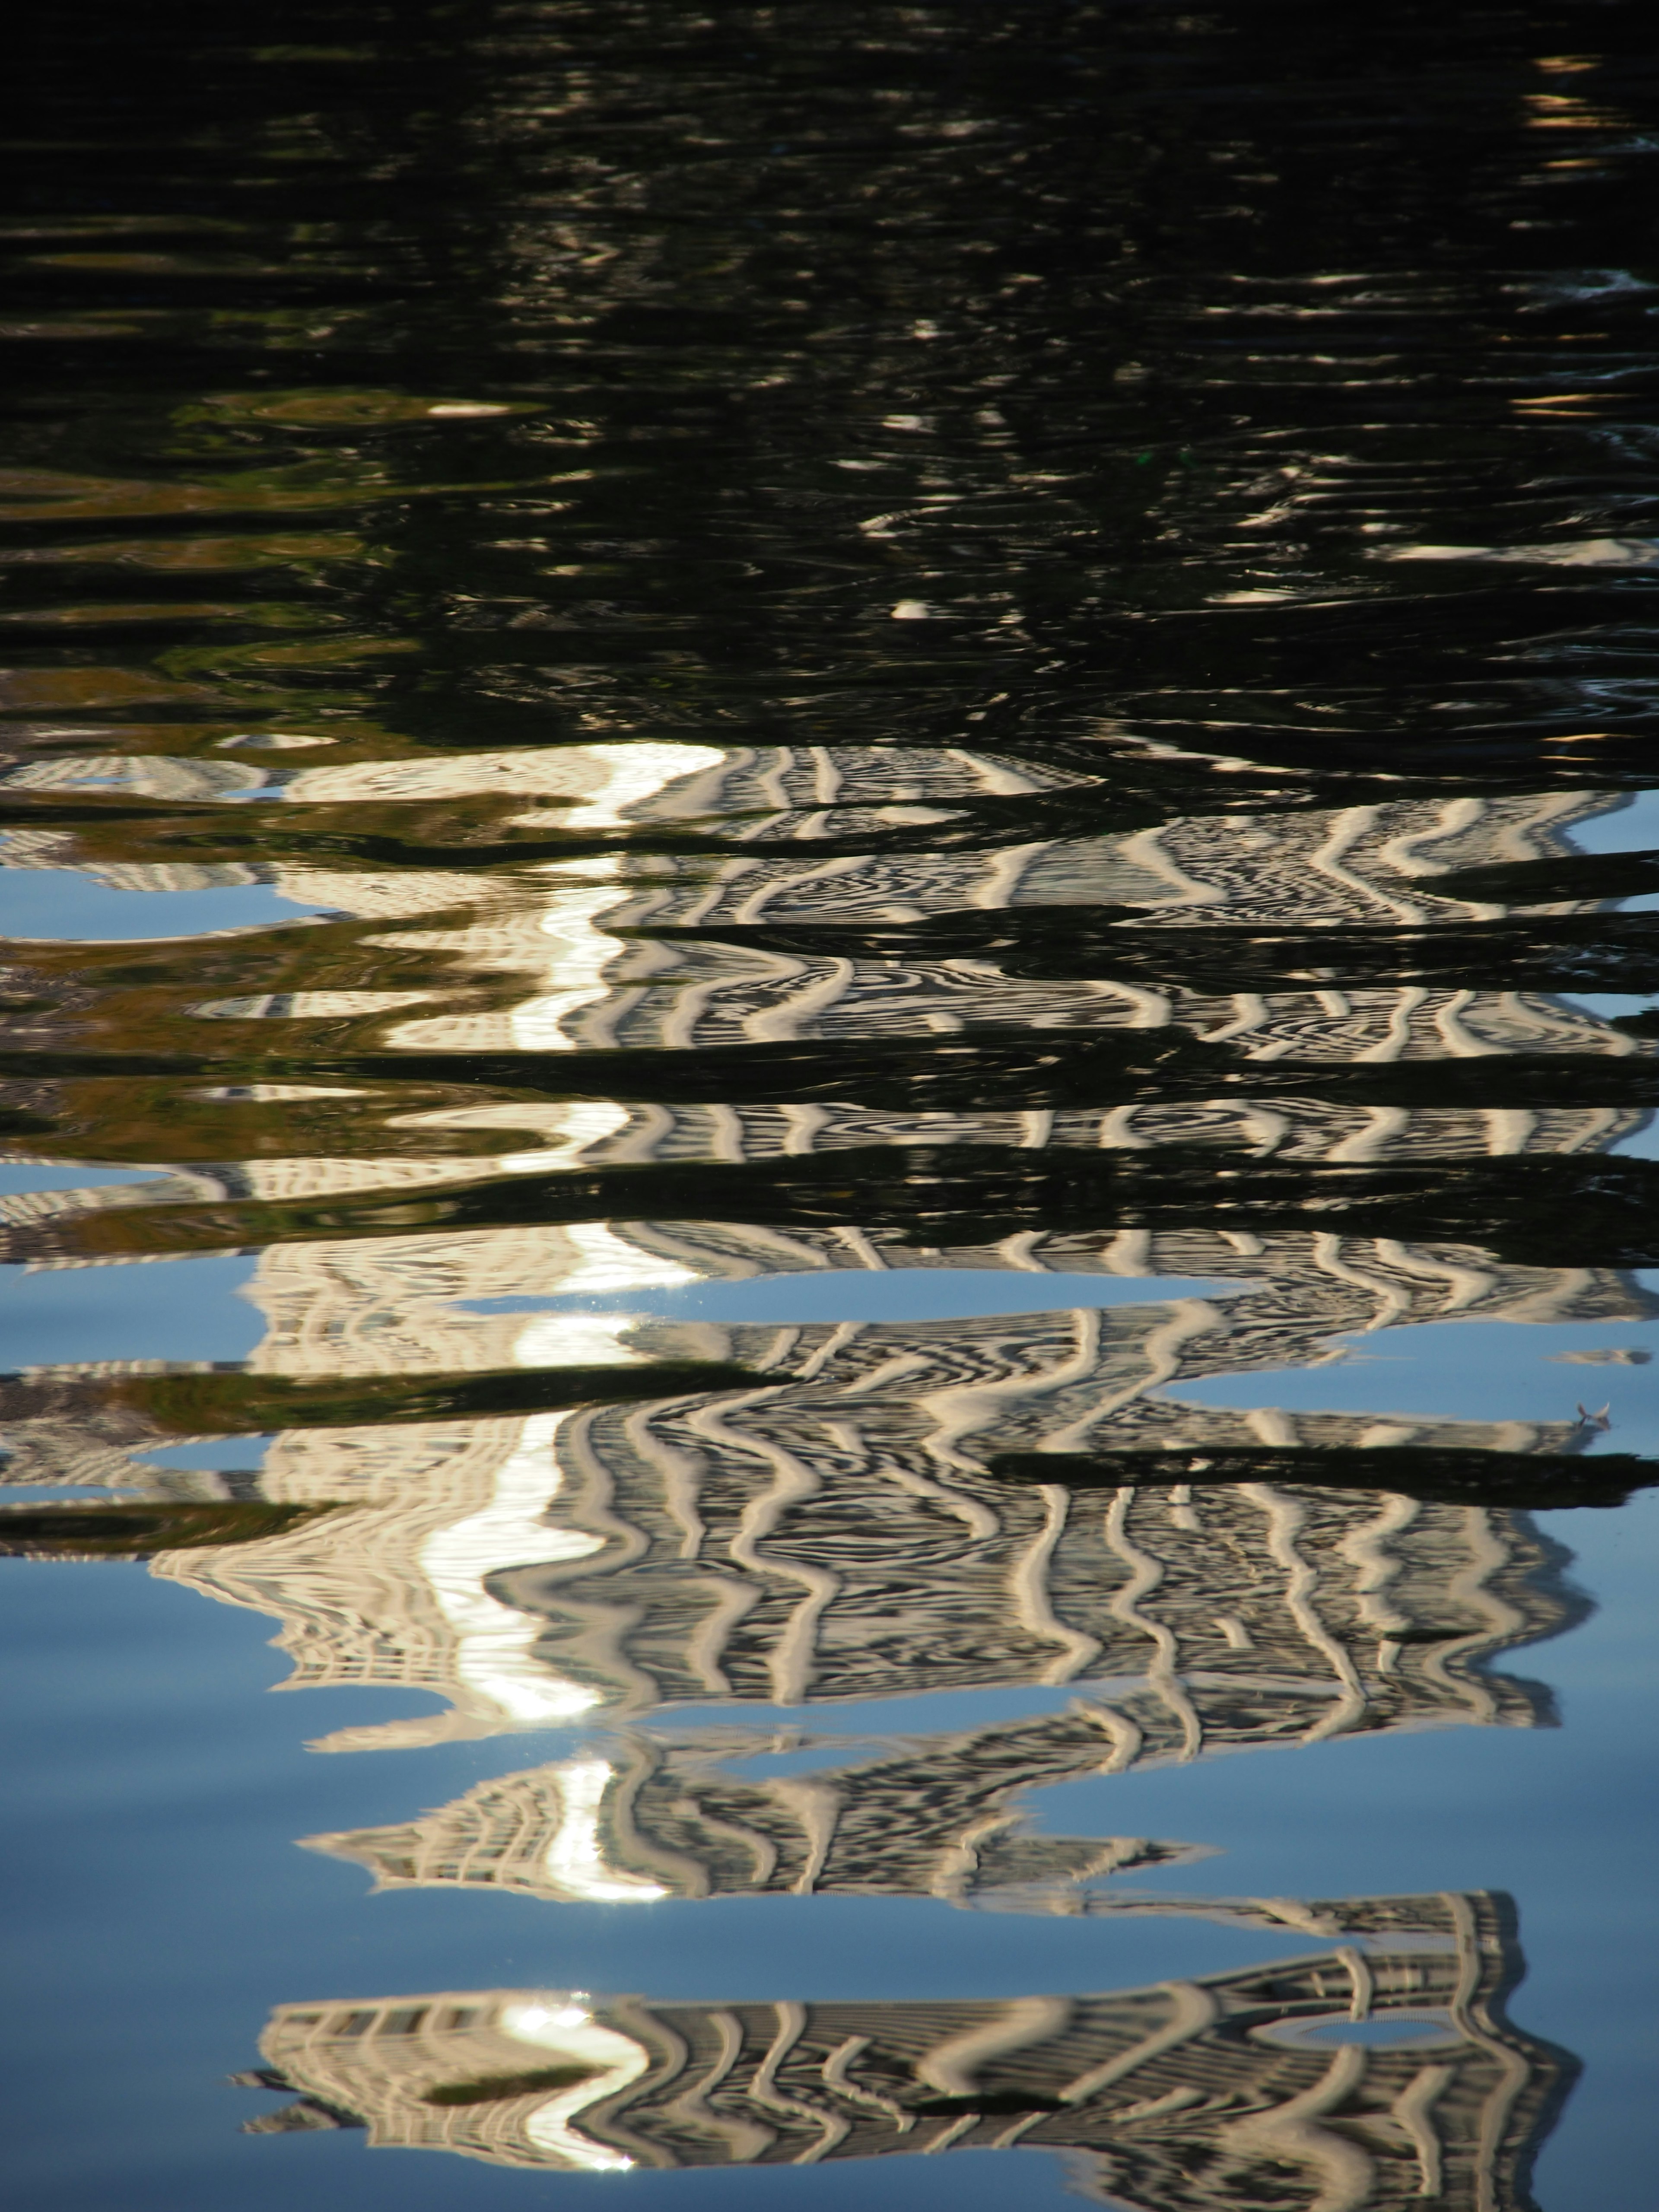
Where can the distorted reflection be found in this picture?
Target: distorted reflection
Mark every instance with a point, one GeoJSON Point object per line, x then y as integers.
{"type": "Point", "coordinates": [991, 658]}
{"type": "Point", "coordinates": [1381, 2072]}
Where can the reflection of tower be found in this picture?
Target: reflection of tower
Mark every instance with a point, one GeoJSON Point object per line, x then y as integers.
{"type": "Point", "coordinates": [748, 1544]}
{"type": "Point", "coordinates": [659, 955]}
{"type": "Point", "coordinates": [1381, 2073]}
{"type": "Point", "coordinates": [637, 1817]}
{"type": "Point", "coordinates": [836, 1536]}
{"type": "Point", "coordinates": [694, 967]}
{"type": "Point", "coordinates": [738, 1546]}
{"type": "Point", "coordinates": [667, 954]}
{"type": "Point", "coordinates": [838, 1532]}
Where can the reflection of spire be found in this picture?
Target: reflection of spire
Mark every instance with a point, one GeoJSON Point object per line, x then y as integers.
{"type": "Point", "coordinates": [1381, 2073]}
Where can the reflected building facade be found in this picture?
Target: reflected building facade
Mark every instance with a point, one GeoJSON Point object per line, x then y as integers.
{"type": "Point", "coordinates": [674, 919]}
{"type": "Point", "coordinates": [1381, 2073]}
{"type": "Point", "coordinates": [559, 1566]}
{"type": "Point", "coordinates": [888, 1511]}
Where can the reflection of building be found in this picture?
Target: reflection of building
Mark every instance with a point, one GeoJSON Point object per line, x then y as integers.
{"type": "Point", "coordinates": [667, 953]}
{"type": "Point", "coordinates": [833, 1533]}
{"type": "Point", "coordinates": [1381, 2073]}
{"type": "Point", "coordinates": [617, 950]}
{"type": "Point", "coordinates": [790, 1544]}
{"type": "Point", "coordinates": [664, 952]}
{"type": "Point", "coordinates": [639, 1818]}
{"type": "Point", "coordinates": [658, 954]}
{"type": "Point", "coordinates": [652, 986]}
{"type": "Point", "coordinates": [836, 1532]}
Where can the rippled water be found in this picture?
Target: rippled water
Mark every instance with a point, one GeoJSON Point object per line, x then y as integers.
{"type": "Point", "coordinates": [831, 876]}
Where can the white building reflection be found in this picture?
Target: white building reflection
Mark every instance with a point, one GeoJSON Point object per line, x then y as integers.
{"type": "Point", "coordinates": [1382, 2072]}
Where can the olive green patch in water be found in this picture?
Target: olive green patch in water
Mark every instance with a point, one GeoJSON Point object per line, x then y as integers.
{"type": "Point", "coordinates": [495, 2088]}
{"type": "Point", "coordinates": [78, 1531]}
{"type": "Point", "coordinates": [233, 1404]}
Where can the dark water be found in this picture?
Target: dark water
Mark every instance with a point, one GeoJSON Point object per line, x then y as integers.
{"type": "Point", "coordinates": [831, 867]}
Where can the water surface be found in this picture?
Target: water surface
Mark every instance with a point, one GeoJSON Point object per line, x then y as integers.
{"type": "Point", "coordinates": [830, 881]}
